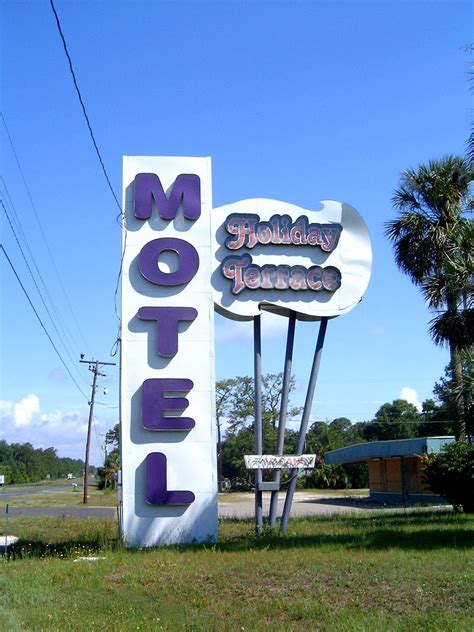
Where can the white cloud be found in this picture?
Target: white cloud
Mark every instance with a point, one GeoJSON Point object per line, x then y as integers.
{"type": "Point", "coordinates": [411, 396]}
{"type": "Point", "coordinates": [6, 409]}
{"type": "Point", "coordinates": [25, 410]}
{"type": "Point", "coordinates": [25, 422]}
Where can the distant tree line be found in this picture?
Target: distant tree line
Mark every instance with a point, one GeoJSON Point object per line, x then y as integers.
{"type": "Point", "coordinates": [22, 463]}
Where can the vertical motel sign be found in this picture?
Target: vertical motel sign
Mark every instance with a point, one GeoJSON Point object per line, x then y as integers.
{"type": "Point", "coordinates": [169, 479]}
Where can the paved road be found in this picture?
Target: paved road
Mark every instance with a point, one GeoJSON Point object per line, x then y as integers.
{"type": "Point", "coordinates": [242, 506]}
{"type": "Point", "coordinates": [304, 504]}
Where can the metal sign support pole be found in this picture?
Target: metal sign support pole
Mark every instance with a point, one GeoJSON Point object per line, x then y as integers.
{"type": "Point", "coordinates": [304, 422]}
{"type": "Point", "coordinates": [257, 341]}
{"type": "Point", "coordinates": [283, 413]}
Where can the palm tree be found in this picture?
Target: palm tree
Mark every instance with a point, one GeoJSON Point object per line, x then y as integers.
{"type": "Point", "coordinates": [433, 242]}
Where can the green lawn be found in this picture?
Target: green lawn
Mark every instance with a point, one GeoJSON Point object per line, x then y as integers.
{"type": "Point", "coordinates": [385, 571]}
{"type": "Point", "coordinates": [68, 498]}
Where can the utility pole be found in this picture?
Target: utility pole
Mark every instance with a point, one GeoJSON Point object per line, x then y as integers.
{"type": "Point", "coordinates": [94, 367]}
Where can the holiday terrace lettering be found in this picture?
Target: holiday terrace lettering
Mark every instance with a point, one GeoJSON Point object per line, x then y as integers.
{"type": "Point", "coordinates": [247, 231]}
{"type": "Point", "coordinates": [246, 275]}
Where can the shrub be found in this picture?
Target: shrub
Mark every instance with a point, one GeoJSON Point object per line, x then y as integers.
{"type": "Point", "coordinates": [451, 474]}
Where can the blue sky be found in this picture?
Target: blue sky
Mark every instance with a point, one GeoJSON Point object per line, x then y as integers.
{"type": "Point", "coordinates": [298, 101]}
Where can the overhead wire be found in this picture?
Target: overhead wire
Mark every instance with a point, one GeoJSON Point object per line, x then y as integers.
{"type": "Point", "coordinates": [64, 328]}
{"type": "Point", "coordinates": [380, 423]}
{"type": "Point", "coordinates": [43, 235]}
{"type": "Point", "coordinates": [25, 292]}
{"type": "Point", "coordinates": [38, 289]}
{"type": "Point", "coordinates": [116, 344]}
{"type": "Point", "coordinates": [81, 101]}
{"type": "Point", "coordinates": [121, 214]}
{"type": "Point", "coordinates": [106, 405]}
{"type": "Point", "coordinates": [97, 440]}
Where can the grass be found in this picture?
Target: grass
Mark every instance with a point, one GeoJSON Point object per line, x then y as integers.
{"type": "Point", "coordinates": [69, 497]}
{"type": "Point", "coordinates": [61, 482]}
{"type": "Point", "coordinates": [370, 572]}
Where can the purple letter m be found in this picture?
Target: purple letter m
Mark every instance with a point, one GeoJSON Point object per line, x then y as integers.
{"type": "Point", "coordinates": [186, 187]}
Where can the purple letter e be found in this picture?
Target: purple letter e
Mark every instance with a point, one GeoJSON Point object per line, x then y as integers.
{"type": "Point", "coordinates": [154, 404]}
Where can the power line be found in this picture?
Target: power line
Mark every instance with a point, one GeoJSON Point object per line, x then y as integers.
{"type": "Point", "coordinates": [99, 156]}
{"type": "Point", "coordinates": [66, 331]}
{"type": "Point", "coordinates": [81, 101]}
{"type": "Point", "coordinates": [35, 283]}
{"type": "Point", "coordinates": [115, 346]}
{"type": "Point", "coordinates": [37, 287]}
{"type": "Point", "coordinates": [380, 423]}
{"type": "Point", "coordinates": [120, 271]}
{"type": "Point", "coordinates": [41, 322]}
{"type": "Point", "coordinates": [33, 206]}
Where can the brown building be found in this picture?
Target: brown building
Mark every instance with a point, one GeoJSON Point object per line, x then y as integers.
{"type": "Point", "coordinates": [395, 467]}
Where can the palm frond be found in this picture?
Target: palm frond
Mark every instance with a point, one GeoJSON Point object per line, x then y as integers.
{"type": "Point", "coordinates": [454, 328]}
{"type": "Point", "coordinates": [438, 189]}
{"type": "Point", "coordinates": [433, 242]}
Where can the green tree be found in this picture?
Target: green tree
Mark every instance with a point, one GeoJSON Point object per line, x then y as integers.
{"type": "Point", "coordinates": [235, 405]}
{"type": "Point", "coordinates": [451, 474]}
{"type": "Point", "coordinates": [398, 420]}
{"type": "Point", "coordinates": [112, 436]}
{"type": "Point", "coordinates": [26, 464]}
{"type": "Point", "coordinates": [6, 470]}
{"type": "Point", "coordinates": [233, 449]}
{"type": "Point", "coordinates": [240, 401]}
{"type": "Point", "coordinates": [433, 242]}
{"type": "Point", "coordinates": [107, 474]}
{"type": "Point", "coordinates": [224, 395]}
{"type": "Point", "coordinates": [436, 419]}
{"type": "Point", "coordinates": [242, 442]}
{"type": "Point", "coordinates": [323, 437]}
{"type": "Point", "coordinates": [439, 413]}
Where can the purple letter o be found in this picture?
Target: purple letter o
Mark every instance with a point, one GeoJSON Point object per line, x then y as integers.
{"type": "Point", "coordinates": [188, 261]}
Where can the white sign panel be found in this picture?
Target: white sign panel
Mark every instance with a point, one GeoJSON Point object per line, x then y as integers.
{"type": "Point", "coordinates": [274, 256]}
{"type": "Point", "coordinates": [272, 462]}
{"type": "Point", "coordinates": [169, 480]}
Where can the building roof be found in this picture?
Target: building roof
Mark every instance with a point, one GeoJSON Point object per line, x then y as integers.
{"type": "Point", "coordinates": [386, 449]}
